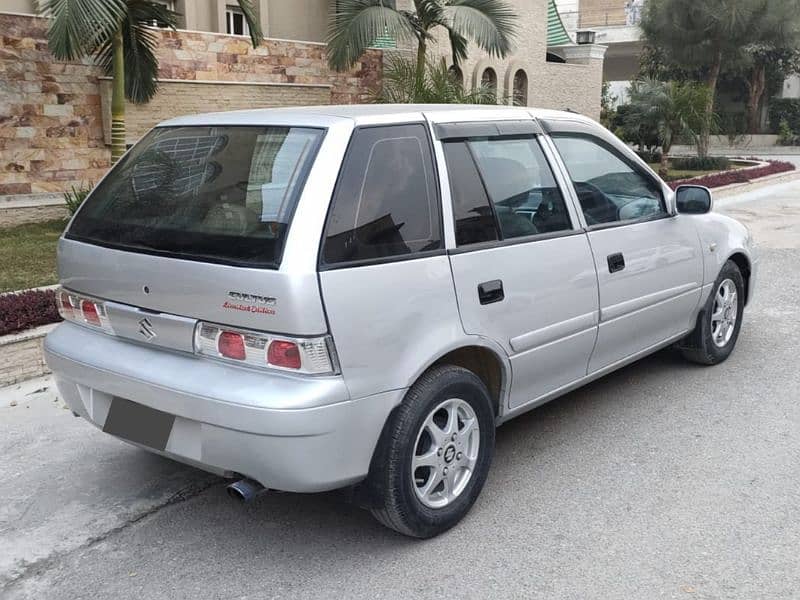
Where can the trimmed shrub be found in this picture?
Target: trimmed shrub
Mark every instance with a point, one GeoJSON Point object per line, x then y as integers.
{"type": "Point", "coordinates": [737, 175]}
{"type": "Point", "coordinates": [75, 197]}
{"type": "Point", "coordinates": [696, 163]}
{"type": "Point", "coordinates": [24, 310]}
{"type": "Point", "coordinates": [787, 137]}
{"type": "Point", "coordinates": [784, 109]}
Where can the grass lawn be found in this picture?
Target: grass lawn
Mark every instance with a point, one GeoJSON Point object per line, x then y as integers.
{"type": "Point", "coordinates": [28, 255]}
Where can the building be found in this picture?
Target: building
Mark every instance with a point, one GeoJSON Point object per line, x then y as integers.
{"type": "Point", "coordinates": [55, 115]}
{"type": "Point", "coordinates": [547, 69]}
{"type": "Point", "coordinates": [615, 25]}
{"type": "Point", "coordinates": [296, 20]}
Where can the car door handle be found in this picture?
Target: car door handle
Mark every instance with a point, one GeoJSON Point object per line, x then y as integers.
{"type": "Point", "coordinates": [616, 262]}
{"type": "Point", "coordinates": [491, 291]}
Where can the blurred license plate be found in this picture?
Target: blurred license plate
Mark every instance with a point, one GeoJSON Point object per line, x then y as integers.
{"type": "Point", "coordinates": [138, 423]}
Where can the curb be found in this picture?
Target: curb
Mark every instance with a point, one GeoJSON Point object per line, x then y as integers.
{"type": "Point", "coordinates": [741, 188]}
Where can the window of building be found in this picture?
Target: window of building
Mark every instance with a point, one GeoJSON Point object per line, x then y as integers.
{"type": "Point", "coordinates": [169, 5]}
{"type": "Point", "coordinates": [489, 79]}
{"type": "Point", "coordinates": [520, 88]}
{"type": "Point", "coordinates": [385, 203]}
{"type": "Point", "coordinates": [235, 22]}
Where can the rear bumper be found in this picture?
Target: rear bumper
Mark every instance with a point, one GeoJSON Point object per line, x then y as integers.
{"type": "Point", "coordinates": [299, 434]}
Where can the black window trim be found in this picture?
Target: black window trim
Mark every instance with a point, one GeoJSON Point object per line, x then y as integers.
{"type": "Point", "coordinates": [501, 242]}
{"type": "Point", "coordinates": [436, 200]}
{"type": "Point", "coordinates": [515, 241]}
{"type": "Point", "coordinates": [271, 266]}
{"type": "Point", "coordinates": [585, 134]}
{"type": "Point", "coordinates": [463, 130]}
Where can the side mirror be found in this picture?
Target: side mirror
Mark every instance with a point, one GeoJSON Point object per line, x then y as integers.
{"type": "Point", "coordinates": [693, 199]}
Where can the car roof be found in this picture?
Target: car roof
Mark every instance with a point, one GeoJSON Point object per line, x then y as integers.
{"type": "Point", "coordinates": [366, 114]}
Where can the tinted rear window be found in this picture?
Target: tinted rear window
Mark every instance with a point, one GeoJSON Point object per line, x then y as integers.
{"type": "Point", "coordinates": [219, 194]}
{"type": "Point", "coordinates": [385, 204]}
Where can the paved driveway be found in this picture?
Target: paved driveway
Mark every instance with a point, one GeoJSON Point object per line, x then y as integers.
{"type": "Point", "coordinates": [663, 480]}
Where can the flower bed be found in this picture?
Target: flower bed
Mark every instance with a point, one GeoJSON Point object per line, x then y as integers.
{"type": "Point", "coordinates": [737, 175]}
{"type": "Point", "coordinates": [24, 310]}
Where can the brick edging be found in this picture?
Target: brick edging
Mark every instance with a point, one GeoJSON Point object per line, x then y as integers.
{"type": "Point", "coordinates": [22, 355]}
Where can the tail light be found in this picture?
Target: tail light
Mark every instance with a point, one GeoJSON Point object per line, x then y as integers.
{"type": "Point", "coordinates": [83, 310]}
{"type": "Point", "coordinates": [312, 356]}
{"type": "Point", "coordinates": [284, 354]}
{"type": "Point", "coordinates": [90, 314]}
{"type": "Point", "coordinates": [231, 345]}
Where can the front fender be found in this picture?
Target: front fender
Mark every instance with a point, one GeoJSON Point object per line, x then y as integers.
{"type": "Point", "coordinates": [722, 238]}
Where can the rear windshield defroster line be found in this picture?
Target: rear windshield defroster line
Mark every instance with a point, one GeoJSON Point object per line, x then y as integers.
{"type": "Point", "coordinates": [221, 194]}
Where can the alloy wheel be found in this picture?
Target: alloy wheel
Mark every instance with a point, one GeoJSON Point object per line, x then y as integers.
{"type": "Point", "coordinates": [445, 453]}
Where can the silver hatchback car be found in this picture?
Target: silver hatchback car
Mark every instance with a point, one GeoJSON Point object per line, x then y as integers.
{"type": "Point", "coordinates": [356, 296]}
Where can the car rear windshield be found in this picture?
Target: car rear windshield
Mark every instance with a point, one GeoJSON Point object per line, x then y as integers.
{"type": "Point", "coordinates": [216, 194]}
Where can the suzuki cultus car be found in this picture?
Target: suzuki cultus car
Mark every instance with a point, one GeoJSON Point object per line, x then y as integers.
{"type": "Point", "coordinates": [355, 297]}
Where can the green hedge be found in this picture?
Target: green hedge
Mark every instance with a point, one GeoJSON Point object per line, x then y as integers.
{"type": "Point", "coordinates": [787, 109]}
{"type": "Point", "coordinates": [695, 163]}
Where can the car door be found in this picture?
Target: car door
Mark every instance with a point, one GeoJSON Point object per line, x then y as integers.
{"type": "Point", "coordinates": [648, 260]}
{"type": "Point", "coordinates": [522, 266]}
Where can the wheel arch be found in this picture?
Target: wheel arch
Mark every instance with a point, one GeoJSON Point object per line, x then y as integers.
{"type": "Point", "coordinates": [483, 357]}
{"type": "Point", "coordinates": [741, 260]}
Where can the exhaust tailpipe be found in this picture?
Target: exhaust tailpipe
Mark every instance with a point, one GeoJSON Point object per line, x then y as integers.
{"type": "Point", "coordinates": [245, 490]}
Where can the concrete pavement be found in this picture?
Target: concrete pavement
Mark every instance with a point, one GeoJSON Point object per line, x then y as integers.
{"type": "Point", "coordinates": [663, 480]}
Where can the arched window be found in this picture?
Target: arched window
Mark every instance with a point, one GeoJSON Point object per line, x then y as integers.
{"type": "Point", "coordinates": [489, 79]}
{"type": "Point", "coordinates": [456, 74]}
{"type": "Point", "coordinates": [520, 88]}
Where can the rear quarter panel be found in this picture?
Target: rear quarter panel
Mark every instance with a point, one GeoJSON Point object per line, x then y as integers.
{"type": "Point", "coordinates": [389, 320]}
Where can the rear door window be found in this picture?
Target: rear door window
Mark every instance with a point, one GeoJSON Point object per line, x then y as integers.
{"type": "Point", "coordinates": [217, 194]}
{"type": "Point", "coordinates": [385, 204]}
{"type": "Point", "coordinates": [506, 180]}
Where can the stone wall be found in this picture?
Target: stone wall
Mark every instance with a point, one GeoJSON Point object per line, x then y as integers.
{"type": "Point", "coordinates": [50, 131]}
{"type": "Point", "coordinates": [181, 97]}
{"type": "Point", "coordinates": [51, 121]}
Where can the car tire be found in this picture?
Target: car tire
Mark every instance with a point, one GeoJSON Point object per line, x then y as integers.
{"type": "Point", "coordinates": [718, 324]}
{"type": "Point", "coordinates": [446, 419]}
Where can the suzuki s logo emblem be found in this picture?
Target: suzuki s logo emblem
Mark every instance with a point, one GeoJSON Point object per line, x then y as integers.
{"type": "Point", "coordinates": [146, 329]}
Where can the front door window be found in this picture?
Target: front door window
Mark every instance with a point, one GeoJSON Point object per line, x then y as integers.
{"type": "Point", "coordinates": [610, 189]}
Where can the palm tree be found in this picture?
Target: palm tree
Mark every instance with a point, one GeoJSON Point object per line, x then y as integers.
{"type": "Point", "coordinates": [118, 35]}
{"type": "Point", "coordinates": [356, 24]}
{"type": "Point", "coordinates": [400, 85]}
{"type": "Point", "coordinates": [672, 108]}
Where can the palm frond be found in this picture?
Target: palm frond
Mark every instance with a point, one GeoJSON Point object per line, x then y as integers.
{"type": "Point", "coordinates": [491, 24]}
{"type": "Point", "coordinates": [253, 23]}
{"type": "Point", "coordinates": [357, 24]}
{"type": "Point", "coordinates": [139, 43]}
{"type": "Point", "coordinates": [77, 26]}
{"type": "Point", "coordinates": [458, 46]}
